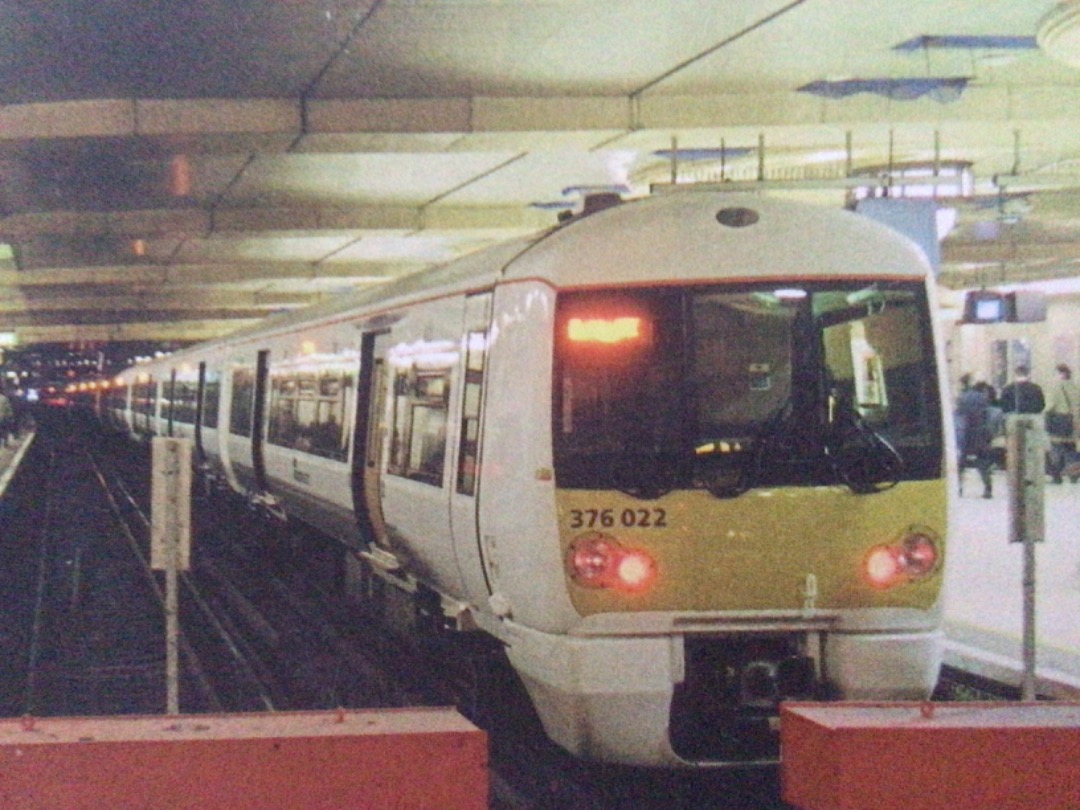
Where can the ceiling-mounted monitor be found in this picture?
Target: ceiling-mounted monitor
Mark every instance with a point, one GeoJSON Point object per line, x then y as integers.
{"type": "Point", "coordinates": [993, 306]}
{"type": "Point", "coordinates": [984, 306]}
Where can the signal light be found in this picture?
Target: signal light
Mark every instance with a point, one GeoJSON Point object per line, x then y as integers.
{"type": "Point", "coordinates": [914, 557]}
{"type": "Point", "coordinates": [597, 560]}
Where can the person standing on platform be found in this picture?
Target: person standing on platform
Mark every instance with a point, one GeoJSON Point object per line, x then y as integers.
{"type": "Point", "coordinates": [974, 433]}
{"type": "Point", "coordinates": [1061, 423]}
{"type": "Point", "coordinates": [1022, 395]}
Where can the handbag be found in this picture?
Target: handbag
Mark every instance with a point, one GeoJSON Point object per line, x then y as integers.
{"type": "Point", "coordinates": [1060, 424]}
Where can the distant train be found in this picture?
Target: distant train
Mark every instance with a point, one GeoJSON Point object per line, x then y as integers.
{"type": "Point", "coordinates": [683, 457]}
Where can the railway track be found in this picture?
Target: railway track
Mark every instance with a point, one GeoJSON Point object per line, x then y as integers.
{"type": "Point", "coordinates": [93, 645]}
{"type": "Point", "coordinates": [266, 629]}
{"type": "Point", "coordinates": [89, 626]}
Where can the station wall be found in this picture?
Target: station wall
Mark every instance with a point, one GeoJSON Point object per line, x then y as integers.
{"type": "Point", "coordinates": [992, 351]}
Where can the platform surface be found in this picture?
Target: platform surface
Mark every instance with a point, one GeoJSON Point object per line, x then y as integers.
{"type": "Point", "coordinates": [984, 596]}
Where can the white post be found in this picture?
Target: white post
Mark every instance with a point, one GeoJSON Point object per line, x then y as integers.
{"type": "Point", "coordinates": [170, 543]}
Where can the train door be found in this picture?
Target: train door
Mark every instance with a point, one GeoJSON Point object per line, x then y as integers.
{"type": "Point", "coordinates": [464, 515]}
{"type": "Point", "coordinates": [200, 395]}
{"type": "Point", "coordinates": [258, 419]}
{"type": "Point", "coordinates": [371, 431]}
{"type": "Point", "coordinates": [243, 449]}
{"type": "Point", "coordinates": [168, 401]}
{"type": "Point", "coordinates": [228, 427]}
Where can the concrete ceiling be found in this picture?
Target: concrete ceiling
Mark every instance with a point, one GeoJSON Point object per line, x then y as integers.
{"type": "Point", "coordinates": [173, 171]}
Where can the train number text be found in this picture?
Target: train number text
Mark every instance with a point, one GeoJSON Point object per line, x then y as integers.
{"type": "Point", "coordinates": [609, 518]}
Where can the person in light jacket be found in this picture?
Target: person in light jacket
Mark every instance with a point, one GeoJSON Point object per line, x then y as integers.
{"type": "Point", "coordinates": [1062, 411]}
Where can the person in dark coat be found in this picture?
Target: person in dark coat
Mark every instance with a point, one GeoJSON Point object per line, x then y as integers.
{"type": "Point", "coordinates": [1022, 395]}
{"type": "Point", "coordinates": [975, 433]}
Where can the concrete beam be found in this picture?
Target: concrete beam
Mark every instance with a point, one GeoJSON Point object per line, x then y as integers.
{"type": "Point", "coordinates": [182, 331]}
{"type": "Point", "coordinates": [1008, 250]}
{"type": "Point", "coordinates": [188, 275]}
{"type": "Point", "coordinates": [277, 123]}
{"type": "Point", "coordinates": [172, 299]}
{"type": "Point", "coordinates": [256, 221]}
{"type": "Point", "coordinates": [192, 124]}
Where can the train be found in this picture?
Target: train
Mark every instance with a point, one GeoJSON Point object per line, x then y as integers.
{"type": "Point", "coordinates": [682, 457]}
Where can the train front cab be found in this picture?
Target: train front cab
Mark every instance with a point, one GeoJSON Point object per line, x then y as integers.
{"type": "Point", "coordinates": [751, 503]}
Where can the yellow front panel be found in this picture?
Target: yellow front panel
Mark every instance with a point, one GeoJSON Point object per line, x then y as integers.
{"type": "Point", "coordinates": [755, 552]}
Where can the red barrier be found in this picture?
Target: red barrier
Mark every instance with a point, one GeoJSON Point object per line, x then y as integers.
{"type": "Point", "coordinates": [931, 756]}
{"type": "Point", "coordinates": [426, 758]}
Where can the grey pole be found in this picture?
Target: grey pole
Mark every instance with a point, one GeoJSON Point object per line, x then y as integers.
{"type": "Point", "coordinates": [1027, 479]}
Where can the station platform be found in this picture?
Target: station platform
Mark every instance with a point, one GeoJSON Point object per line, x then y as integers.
{"type": "Point", "coordinates": [11, 454]}
{"type": "Point", "coordinates": [984, 589]}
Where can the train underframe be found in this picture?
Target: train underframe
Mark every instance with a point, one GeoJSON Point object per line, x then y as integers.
{"type": "Point", "coordinates": [708, 699]}
{"type": "Point", "coordinates": [705, 694]}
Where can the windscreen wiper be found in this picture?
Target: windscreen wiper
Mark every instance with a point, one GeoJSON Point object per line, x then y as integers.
{"type": "Point", "coordinates": [646, 475]}
{"type": "Point", "coordinates": [862, 458]}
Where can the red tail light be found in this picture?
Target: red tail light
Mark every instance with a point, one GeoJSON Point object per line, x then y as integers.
{"type": "Point", "coordinates": [913, 557]}
{"type": "Point", "coordinates": [596, 560]}
{"type": "Point", "coordinates": [920, 553]}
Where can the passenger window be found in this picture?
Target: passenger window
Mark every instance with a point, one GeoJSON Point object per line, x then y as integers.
{"type": "Point", "coordinates": [243, 401]}
{"type": "Point", "coordinates": [184, 399]}
{"type": "Point", "coordinates": [310, 398]}
{"type": "Point", "coordinates": [143, 397]}
{"type": "Point", "coordinates": [418, 440]}
{"type": "Point", "coordinates": [211, 399]}
{"type": "Point", "coordinates": [468, 458]}
{"type": "Point", "coordinates": [118, 397]}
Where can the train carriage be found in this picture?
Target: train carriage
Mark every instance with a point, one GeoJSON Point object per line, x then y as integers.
{"type": "Point", "coordinates": [683, 457]}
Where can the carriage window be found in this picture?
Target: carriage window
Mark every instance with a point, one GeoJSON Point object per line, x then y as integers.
{"type": "Point", "coordinates": [476, 352]}
{"type": "Point", "coordinates": [421, 391]}
{"type": "Point", "coordinates": [143, 402]}
{"type": "Point", "coordinates": [184, 399]}
{"type": "Point", "coordinates": [310, 400]}
{"type": "Point", "coordinates": [143, 397]}
{"type": "Point", "coordinates": [211, 398]}
{"type": "Point", "coordinates": [118, 395]}
{"type": "Point", "coordinates": [243, 401]}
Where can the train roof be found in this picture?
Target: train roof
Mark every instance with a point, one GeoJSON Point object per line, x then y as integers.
{"type": "Point", "coordinates": [704, 236]}
{"type": "Point", "coordinates": [685, 235]}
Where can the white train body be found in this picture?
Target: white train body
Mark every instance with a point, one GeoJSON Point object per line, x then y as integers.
{"type": "Point", "coordinates": [432, 426]}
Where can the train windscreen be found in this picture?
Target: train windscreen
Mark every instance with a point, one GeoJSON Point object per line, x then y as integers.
{"type": "Point", "coordinates": [727, 389]}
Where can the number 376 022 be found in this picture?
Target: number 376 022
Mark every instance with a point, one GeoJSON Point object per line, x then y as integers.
{"type": "Point", "coordinates": [609, 518]}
